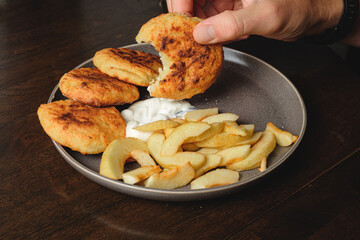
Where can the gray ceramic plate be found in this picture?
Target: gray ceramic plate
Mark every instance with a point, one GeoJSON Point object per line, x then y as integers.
{"type": "Point", "coordinates": [247, 86]}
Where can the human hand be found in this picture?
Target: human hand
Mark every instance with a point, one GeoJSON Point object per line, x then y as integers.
{"type": "Point", "coordinates": [230, 20]}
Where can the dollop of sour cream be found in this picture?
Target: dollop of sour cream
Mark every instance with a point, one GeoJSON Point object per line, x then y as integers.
{"type": "Point", "coordinates": [151, 110]}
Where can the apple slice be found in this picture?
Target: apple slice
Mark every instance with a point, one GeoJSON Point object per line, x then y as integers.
{"type": "Point", "coordinates": [233, 154]}
{"type": "Point", "coordinates": [249, 128]}
{"type": "Point", "coordinates": [233, 128]}
{"type": "Point", "coordinates": [263, 164]}
{"type": "Point", "coordinates": [171, 179]}
{"type": "Point", "coordinates": [156, 140]}
{"type": "Point", "coordinates": [212, 161]}
{"type": "Point", "coordinates": [180, 134]}
{"type": "Point", "coordinates": [283, 138]}
{"type": "Point", "coordinates": [261, 149]}
{"type": "Point", "coordinates": [222, 117]}
{"type": "Point", "coordinates": [140, 174]}
{"type": "Point", "coordinates": [115, 155]}
{"type": "Point", "coordinates": [215, 128]}
{"type": "Point", "coordinates": [157, 125]}
{"type": "Point", "coordinates": [207, 151]}
{"type": "Point", "coordinates": [189, 147]}
{"type": "Point", "coordinates": [252, 140]}
{"type": "Point", "coordinates": [222, 139]}
{"type": "Point", "coordinates": [218, 177]}
{"type": "Point", "coordinates": [143, 158]}
{"type": "Point", "coordinates": [198, 115]}
{"type": "Point", "coordinates": [168, 131]}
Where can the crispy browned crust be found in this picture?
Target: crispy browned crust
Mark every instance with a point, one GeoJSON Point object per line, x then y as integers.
{"type": "Point", "coordinates": [128, 65]}
{"type": "Point", "coordinates": [189, 68]}
{"type": "Point", "coordinates": [92, 87]}
{"type": "Point", "coordinates": [81, 127]}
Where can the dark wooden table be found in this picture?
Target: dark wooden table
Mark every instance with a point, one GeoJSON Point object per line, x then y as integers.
{"type": "Point", "coordinates": [314, 195]}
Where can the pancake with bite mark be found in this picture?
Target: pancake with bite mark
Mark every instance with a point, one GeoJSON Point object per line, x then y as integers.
{"type": "Point", "coordinates": [82, 128]}
{"type": "Point", "coordinates": [92, 87]}
{"type": "Point", "coordinates": [189, 68]}
{"type": "Point", "coordinates": [132, 66]}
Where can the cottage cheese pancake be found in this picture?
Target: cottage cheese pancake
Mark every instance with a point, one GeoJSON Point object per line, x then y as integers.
{"type": "Point", "coordinates": [189, 68]}
{"type": "Point", "coordinates": [92, 87]}
{"type": "Point", "coordinates": [128, 65]}
{"type": "Point", "coordinates": [81, 127]}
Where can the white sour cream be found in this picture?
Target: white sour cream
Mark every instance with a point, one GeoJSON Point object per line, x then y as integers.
{"type": "Point", "coordinates": [151, 110]}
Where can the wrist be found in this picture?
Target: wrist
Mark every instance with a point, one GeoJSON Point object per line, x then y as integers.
{"type": "Point", "coordinates": [325, 15]}
{"type": "Point", "coordinates": [336, 28]}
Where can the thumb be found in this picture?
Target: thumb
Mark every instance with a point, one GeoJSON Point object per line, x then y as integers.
{"type": "Point", "coordinates": [227, 26]}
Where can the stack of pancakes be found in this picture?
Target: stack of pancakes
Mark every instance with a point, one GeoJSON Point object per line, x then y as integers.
{"type": "Point", "coordinates": [88, 121]}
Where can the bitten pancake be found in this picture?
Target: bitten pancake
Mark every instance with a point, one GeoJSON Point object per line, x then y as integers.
{"type": "Point", "coordinates": [128, 65]}
{"type": "Point", "coordinates": [81, 127]}
{"type": "Point", "coordinates": [189, 68]}
{"type": "Point", "coordinates": [92, 87]}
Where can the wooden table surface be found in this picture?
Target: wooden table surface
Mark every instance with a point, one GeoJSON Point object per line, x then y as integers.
{"type": "Point", "coordinates": [315, 194]}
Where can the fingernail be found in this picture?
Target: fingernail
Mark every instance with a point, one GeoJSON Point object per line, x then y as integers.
{"type": "Point", "coordinates": [204, 33]}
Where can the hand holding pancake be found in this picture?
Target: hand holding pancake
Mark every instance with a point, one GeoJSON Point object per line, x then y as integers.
{"type": "Point", "coordinates": [287, 20]}
{"type": "Point", "coordinates": [189, 68]}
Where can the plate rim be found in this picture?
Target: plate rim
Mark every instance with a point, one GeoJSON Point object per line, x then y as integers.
{"type": "Point", "coordinates": [179, 194]}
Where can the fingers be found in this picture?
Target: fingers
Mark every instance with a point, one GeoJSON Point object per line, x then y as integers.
{"type": "Point", "coordinates": [230, 20]}
{"type": "Point", "coordinates": [209, 10]}
{"type": "Point", "coordinates": [181, 6]}
{"type": "Point", "coordinates": [232, 25]}
{"type": "Point", "coordinates": [169, 6]}
{"type": "Point", "coordinates": [223, 27]}
{"type": "Point", "coordinates": [199, 12]}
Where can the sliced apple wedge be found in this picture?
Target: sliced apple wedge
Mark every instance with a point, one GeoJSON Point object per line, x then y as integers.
{"type": "Point", "coordinates": [252, 140]}
{"type": "Point", "coordinates": [233, 154]}
{"type": "Point", "coordinates": [222, 117]}
{"type": "Point", "coordinates": [233, 128]}
{"type": "Point", "coordinates": [283, 138]}
{"type": "Point", "coordinates": [171, 179]}
{"type": "Point", "coordinates": [207, 151]}
{"type": "Point", "coordinates": [178, 120]}
{"type": "Point", "coordinates": [140, 174]}
{"type": "Point", "coordinates": [143, 158]}
{"type": "Point", "coordinates": [215, 128]}
{"type": "Point", "coordinates": [212, 161]}
{"type": "Point", "coordinates": [218, 177]}
{"type": "Point", "coordinates": [115, 155]}
{"type": "Point", "coordinates": [157, 125]}
{"type": "Point", "coordinates": [168, 131]}
{"type": "Point", "coordinates": [156, 140]}
{"type": "Point", "coordinates": [222, 139]}
{"type": "Point", "coordinates": [249, 128]}
{"type": "Point", "coordinates": [180, 134]}
{"type": "Point", "coordinates": [261, 149]}
{"type": "Point", "coordinates": [263, 164]}
{"type": "Point", "coordinates": [198, 115]}
{"type": "Point", "coordinates": [189, 147]}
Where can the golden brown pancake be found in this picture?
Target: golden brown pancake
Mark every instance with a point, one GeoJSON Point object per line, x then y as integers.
{"type": "Point", "coordinates": [128, 65]}
{"type": "Point", "coordinates": [189, 68]}
{"type": "Point", "coordinates": [81, 127]}
{"type": "Point", "coordinates": [92, 87]}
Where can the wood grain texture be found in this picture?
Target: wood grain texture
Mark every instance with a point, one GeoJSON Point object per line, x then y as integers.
{"type": "Point", "coordinates": [314, 195]}
{"type": "Point", "coordinates": [327, 208]}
